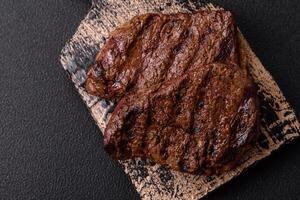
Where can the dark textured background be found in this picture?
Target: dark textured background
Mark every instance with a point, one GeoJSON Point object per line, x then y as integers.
{"type": "Point", "coordinates": [50, 147]}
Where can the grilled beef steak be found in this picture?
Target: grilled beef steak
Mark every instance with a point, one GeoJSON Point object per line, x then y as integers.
{"type": "Point", "coordinates": [183, 99]}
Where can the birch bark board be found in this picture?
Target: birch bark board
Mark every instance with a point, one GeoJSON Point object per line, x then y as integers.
{"type": "Point", "coordinates": [279, 124]}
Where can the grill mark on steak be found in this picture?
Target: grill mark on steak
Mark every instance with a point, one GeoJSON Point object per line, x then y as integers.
{"type": "Point", "coordinates": [124, 81]}
{"type": "Point", "coordinates": [145, 48]}
{"type": "Point", "coordinates": [201, 90]}
{"type": "Point", "coordinates": [156, 70]}
{"type": "Point", "coordinates": [145, 27]}
{"type": "Point", "coordinates": [212, 137]}
{"type": "Point", "coordinates": [183, 99]}
{"type": "Point", "coordinates": [112, 56]}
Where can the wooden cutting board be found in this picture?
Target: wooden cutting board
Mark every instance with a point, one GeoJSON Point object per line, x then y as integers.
{"type": "Point", "coordinates": [152, 181]}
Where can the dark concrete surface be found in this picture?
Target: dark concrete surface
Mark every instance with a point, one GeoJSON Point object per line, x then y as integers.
{"type": "Point", "coordinates": [50, 147]}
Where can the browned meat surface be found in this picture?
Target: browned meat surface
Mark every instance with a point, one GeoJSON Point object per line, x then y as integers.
{"type": "Point", "coordinates": [183, 99]}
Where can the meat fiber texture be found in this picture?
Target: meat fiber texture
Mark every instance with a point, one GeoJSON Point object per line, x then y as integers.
{"type": "Point", "coordinates": [183, 99]}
